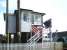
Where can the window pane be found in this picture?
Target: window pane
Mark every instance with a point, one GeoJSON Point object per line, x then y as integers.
{"type": "Point", "coordinates": [37, 18]}
{"type": "Point", "coordinates": [26, 18]}
{"type": "Point", "coordinates": [32, 19]}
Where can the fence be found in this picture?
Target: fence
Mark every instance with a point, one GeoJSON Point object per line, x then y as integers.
{"type": "Point", "coordinates": [34, 46]}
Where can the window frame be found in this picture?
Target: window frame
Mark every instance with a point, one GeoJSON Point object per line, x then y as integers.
{"type": "Point", "coordinates": [32, 20]}
{"type": "Point", "coordinates": [26, 17]}
{"type": "Point", "coordinates": [36, 17]}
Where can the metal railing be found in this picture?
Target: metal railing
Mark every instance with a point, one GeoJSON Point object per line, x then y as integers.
{"type": "Point", "coordinates": [35, 37]}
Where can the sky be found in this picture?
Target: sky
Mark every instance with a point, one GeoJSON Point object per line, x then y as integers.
{"type": "Point", "coordinates": [54, 9]}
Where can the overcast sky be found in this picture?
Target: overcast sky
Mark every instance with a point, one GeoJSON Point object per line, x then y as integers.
{"type": "Point", "coordinates": [55, 9]}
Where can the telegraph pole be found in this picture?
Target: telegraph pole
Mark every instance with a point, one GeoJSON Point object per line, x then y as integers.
{"type": "Point", "coordinates": [50, 34]}
{"type": "Point", "coordinates": [19, 25]}
{"type": "Point", "coordinates": [18, 4]}
{"type": "Point", "coordinates": [7, 10]}
{"type": "Point", "coordinates": [7, 20]}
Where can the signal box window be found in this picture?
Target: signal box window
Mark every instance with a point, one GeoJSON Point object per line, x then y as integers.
{"type": "Point", "coordinates": [26, 18]}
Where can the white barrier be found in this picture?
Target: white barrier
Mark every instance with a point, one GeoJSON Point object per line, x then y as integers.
{"type": "Point", "coordinates": [35, 46]}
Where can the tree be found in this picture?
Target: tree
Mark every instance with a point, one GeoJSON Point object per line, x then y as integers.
{"type": "Point", "coordinates": [47, 23]}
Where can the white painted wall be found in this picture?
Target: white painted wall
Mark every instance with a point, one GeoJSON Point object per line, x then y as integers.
{"type": "Point", "coordinates": [11, 24]}
{"type": "Point", "coordinates": [25, 26]}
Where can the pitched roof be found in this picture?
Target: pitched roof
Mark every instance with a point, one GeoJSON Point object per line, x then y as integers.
{"type": "Point", "coordinates": [30, 11]}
